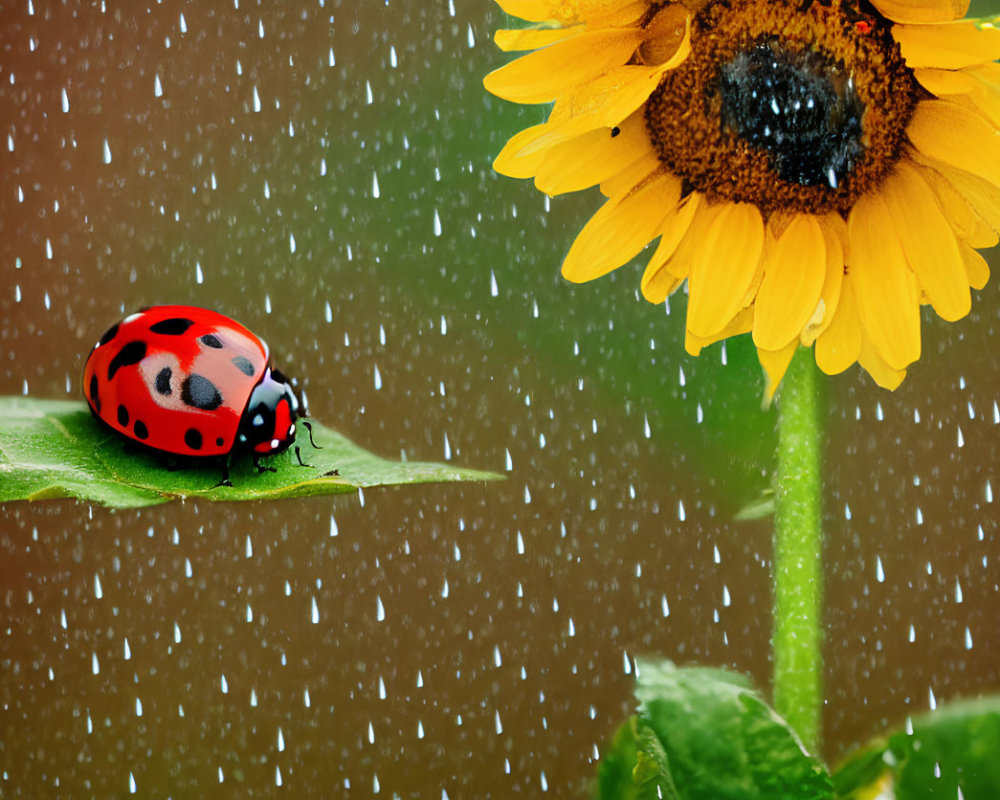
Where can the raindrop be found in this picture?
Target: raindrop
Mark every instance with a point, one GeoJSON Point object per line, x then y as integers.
{"type": "Point", "coordinates": [368, 93]}
{"type": "Point", "coordinates": [177, 632]}
{"type": "Point", "coordinates": [920, 516]}
{"type": "Point", "coordinates": [494, 289]}
{"type": "Point", "coordinates": [725, 596]}
{"type": "Point", "coordinates": [183, 24]}
{"type": "Point", "coordinates": [107, 152]}
{"type": "Point", "coordinates": [437, 223]}
{"type": "Point", "coordinates": [95, 666]}
{"type": "Point", "coordinates": [420, 729]}
{"type": "Point", "coordinates": [198, 275]}
{"type": "Point", "coordinates": [371, 733]}
{"type": "Point", "coordinates": [131, 783]}
{"type": "Point", "coordinates": [224, 685]}
{"type": "Point", "coordinates": [334, 531]}
{"type": "Point", "coordinates": [379, 609]}
{"type": "Point", "coordinates": [281, 740]}
{"type": "Point", "coordinates": [98, 591]}
{"type": "Point", "coordinates": [444, 588]}
{"type": "Point", "coordinates": [646, 431]}
{"type": "Point", "coordinates": [961, 439]}
{"type": "Point", "coordinates": [913, 633]}
{"type": "Point", "coordinates": [375, 191]}
{"type": "Point", "coordinates": [716, 555]}
{"type": "Point", "coordinates": [847, 511]}
{"type": "Point", "coordinates": [291, 242]}
{"type": "Point", "coordinates": [138, 707]}
{"type": "Point", "coordinates": [256, 100]}
{"type": "Point", "coordinates": [62, 618]}
{"type": "Point", "coordinates": [314, 613]}
{"type": "Point", "coordinates": [958, 591]}
{"type": "Point", "coordinates": [498, 726]}
{"type": "Point", "coordinates": [332, 61]}
{"type": "Point", "coordinates": [127, 651]}
{"type": "Point", "coordinates": [931, 700]}
{"type": "Point", "coordinates": [968, 638]}
{"type": "Point", "coordinates": [253, 697]}
{"type": "Point", "coordinates": [680, 511]}
{"type": "Point", "coordinates": [471, 37]}
{"type": "Point", "coordinates": [157, 86]}
{"type": "Point", "coordinates": [571, 628]}
{"type": "Point", "coordinates": [248, 550]}
{"type": "Point", "coordinates": [989, 491]}
{"type": "Point", "coordinates": [879, 572]}
{"type": "Point", "coordinates": [520, 544]}
{"type": "Point", "coordinates": [328, 313]}
{"type": "Point", "coordinates": [48, 249]}
{"type": "Point", "coordinates": [392, 57]}
{"type": "Point", "coordinates": [65, 101]}
{"type": "Point", "coordinates": [188, 570]}
{"type": "Point", "coordinates": [378, 379]}
{"type": "Point", "coordinates": [664, 605]}
{"type": "Point", "coordinates": [277, 775]}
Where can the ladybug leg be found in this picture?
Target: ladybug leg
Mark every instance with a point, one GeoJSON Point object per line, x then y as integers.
{"type": "Point", "coordinates": [313, 443]}
{"type": "Point", "coordinates": [298, 455]}
{"type": "Point", "coordinates": [262, 468]}
{"type": "Point", "coordinates": [224, 481]}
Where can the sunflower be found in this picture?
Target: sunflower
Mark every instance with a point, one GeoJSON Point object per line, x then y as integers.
{"type": "Point", "coordinates": [815, 170]}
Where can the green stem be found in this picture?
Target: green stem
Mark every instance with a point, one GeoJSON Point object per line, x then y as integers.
{"type": "Point", "coordinates": [798, 543]}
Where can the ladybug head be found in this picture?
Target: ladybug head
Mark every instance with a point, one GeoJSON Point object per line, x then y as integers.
{"type": "Point", "coordinates": [268, 423]}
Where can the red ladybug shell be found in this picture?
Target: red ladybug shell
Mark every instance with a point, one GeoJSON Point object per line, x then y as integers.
{"type": "Point", "coordinates": [175, 378]}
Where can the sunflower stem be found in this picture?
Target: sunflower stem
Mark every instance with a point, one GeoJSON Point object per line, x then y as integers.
{"type": "Point", "coordinates": [798, 542]}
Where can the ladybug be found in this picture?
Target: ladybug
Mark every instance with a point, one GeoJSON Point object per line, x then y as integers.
{"type": "Point", "coordinates": [191, 382]}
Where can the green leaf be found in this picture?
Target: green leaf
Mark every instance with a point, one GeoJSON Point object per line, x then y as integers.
{"type": "Point", "coordinates": [636, 767]}
{"type": "Point", "coordinates": [51, 449]}
{"type": "Point", "coordinates": [954, 749]}
{"type": "Point", "coordinates": [719, 741]}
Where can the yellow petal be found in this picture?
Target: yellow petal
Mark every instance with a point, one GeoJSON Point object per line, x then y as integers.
{"type": "Point", "coordinates": [723, 266]}
{"type": "Point", "coordinates": [512, 161]}
{"type": "Point", "coordinates": [887, 292]}
{"type": "Point", "coordinates": [597, 13]}
{"type": "Point", "coordinates": [884, 375]}
{"type": "Point", "coordinates": [981, 196]}
{"type": "Point", "coordinates": [593, 157]}
{"type": "Point", "coordinates": [956, 136]}
{"type": "Point", "coordinates": [532, 38]}
{"type": "Point", "coordinates": [948, 45]}
{"type": "Point", "coordinates": [834, 234]}
{"type": "Point", "coordinates": [968, 88]}
{"type": "Point", "coordinates": [968, 224]}
{"type": "Point", "coordinates": [794, 270]}
{"type": "Point", "coordinates": [543, 75]}
{"type": "Point", "coordinates": [621, 228]}
{"type": "Point", "coordinates": [922, 10]}
{"type": "Point", "coordinates": [775, 364]}
{"type": "Point", "coordinates": [664, 273]}
{"type": "Point", "coordinates": [976, 268]}
{"type": "Point", "coordinates": [928, 242]}
{"type": "Point", "coordinates": [604, 103]}
{"type": "Point", "coordinates": [838, 346]}
{"type": "Point", "coordinates": [739, 325]}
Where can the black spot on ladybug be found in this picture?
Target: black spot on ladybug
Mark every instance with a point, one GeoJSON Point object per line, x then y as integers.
{"type": "Point", "coordinates": [175, 326]}
{"type": "Point", "coordinates": [109, 334]}
{"type": "Point", "coordinates": [95, 398]}
{"type": "Point", "coordinates": [140, 429]}
{"type": "Point", "coordinates": [210, 340]}
{"type": "Point", "coordinates": [163, 381]}
{"type": "Point", "coordinates": [132, 353]}
{"type": "Point", "coordinates": [192, 438]}
{"type": "Point", "coordinates": [244, 365]}
{"type": "Point", "coordinates": [122, 416]}
{"type": "Point", "coordinates": [199, 392]}
{"type": "Point", "coordinates": [615, 131]}
{"type": "Point", "coordinates": [219, 441]}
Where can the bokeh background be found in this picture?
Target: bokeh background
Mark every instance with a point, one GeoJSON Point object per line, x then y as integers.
{"type": "Point", "coordinates": [321, 171]}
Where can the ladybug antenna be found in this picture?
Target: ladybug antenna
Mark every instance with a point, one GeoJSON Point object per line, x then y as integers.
{"type": "Point", "coordinates": [311, 441]}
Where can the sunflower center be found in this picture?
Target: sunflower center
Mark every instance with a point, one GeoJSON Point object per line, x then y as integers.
{"type": "Point", "coordinates": [790, 106]}
{"type": "Point", "coordinates": [798, 107]}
